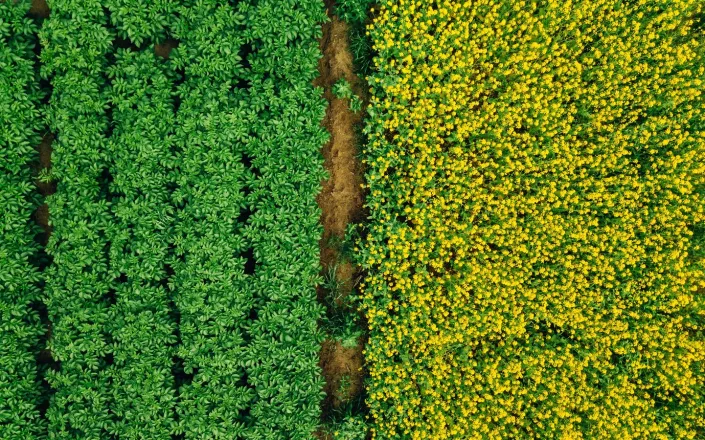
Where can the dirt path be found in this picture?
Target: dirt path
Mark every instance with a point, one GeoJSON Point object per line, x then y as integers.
{"type": "Point", "coordinates": [341, 200]}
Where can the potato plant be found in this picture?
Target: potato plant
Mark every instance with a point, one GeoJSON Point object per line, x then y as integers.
{"type": "Point", "coordinates": [181, 287]}
{"type": "Point", "coordinates": [141, 21]}
{"type": "Point", "coordinates": [141, 322]}
{"type": "Point", "coordinates": [247, 223]}
{"type": "Point", "coordinates": [76, 40]}
{"type": "Point", "coordinates": [284, 142]}
{"type": "Point", "coordinates": [210, 284]}
{"type": "Point", "coordinates": [20, 126]}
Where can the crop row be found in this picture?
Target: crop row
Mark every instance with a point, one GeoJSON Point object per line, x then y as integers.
{"type": "Point", "coordinates": [247, 234]}
{"type": "Point", "coordinates": [210, 283]}
{"type": "Point", "coordinates": [184, 247]}
{"type": "Point", "coordinates": [76, 41]}
{"type": "Point", "coordinates": [20, 327]}
{"type": "Point", "coordinates": [141, 321]}
{"type": "Point", "coordinates": [535, 254]}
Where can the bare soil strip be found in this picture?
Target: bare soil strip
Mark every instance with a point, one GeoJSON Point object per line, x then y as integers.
{"type": "Point", "coordinates": [341, 202]}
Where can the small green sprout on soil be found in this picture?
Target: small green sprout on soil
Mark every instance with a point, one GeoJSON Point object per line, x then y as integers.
{"type": "Point", "coordinates": [352, 427]}
{"type": "Point", "coordinates": [343, 90]}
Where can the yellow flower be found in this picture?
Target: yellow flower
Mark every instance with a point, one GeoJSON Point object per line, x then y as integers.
{"type": "Point", "coordinates": [537, 172]}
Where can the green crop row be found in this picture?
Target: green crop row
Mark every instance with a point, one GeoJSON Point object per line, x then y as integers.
{"type": "Point", "coordinates": [247, 225]}
{"type": "Point", "coordinates": [284, 114]}
{"type": "Point", "coordinates": [76, 41]}
{"type": "Point", "coordinates": [141, 21]}
{"type": "Point", "coordinates": [20, 124]}
{"type": "Point", "coordinates": [143, 326]}
{"type": "Point", "coordinates": [181, 291]}
{"type": "Point", "coordinates": [210, 285]}
{"type": "Point", "coordinates": [141, 322]}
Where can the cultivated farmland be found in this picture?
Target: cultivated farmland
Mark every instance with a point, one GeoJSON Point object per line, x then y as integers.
{"type": "Point", "coordinates": [179, 298]}
{"type": "Point", "coordinates": [20, 327]}
{"type": "Point", "coordinates": [352, 219]}
{"type": "Point", "coordinates": [535, 249]}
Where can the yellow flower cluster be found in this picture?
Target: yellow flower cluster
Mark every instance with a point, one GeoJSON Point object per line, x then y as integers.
{"type": "Point", "coordinates": [536, 188]}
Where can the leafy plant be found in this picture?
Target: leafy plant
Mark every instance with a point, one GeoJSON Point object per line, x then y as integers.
{"type": "Point", "coordinates": [76, 42]}
{"type": "Point", "coordinates": [356, 104]}
{"type": "Point", "coordinates": [340, 321]}
{"type": "Point", "coordinates": [353, 11]}
{"type": "Point", "coordinates": [247, 228]}
{"type": "Point", "coordinates": [344, 387]}
{"type": "Point", "coordinates": [343, 90]}
{"type": "Point", "coordinates": [210, 283]}
{"type": "Point", "coordinates": [351, 427]}
{"type": "Point", "coordinates": [141, 325]}
{"type": "Point", "coordinates": [20, 327]}
{"type": "Point", "coordinates": [142, 20]}
{"type": "Point", "coordinates": [205, 217]}
{"type": "Point", "coordinates": [344, 327]}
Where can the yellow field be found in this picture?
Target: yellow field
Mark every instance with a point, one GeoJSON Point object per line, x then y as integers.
{"type": "Point", "coordinates": [536, 183]}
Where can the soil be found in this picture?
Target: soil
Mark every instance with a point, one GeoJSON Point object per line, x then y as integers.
{"type": "Point", "coordinates": [41, 215]}
{"type": "Point", "coordinates": [164, 49]}
{"type": "Point", "coordinates": [341, 364]}
{"type": "Point", "coordinates": [45, 189]}
{"type": "Point", "coordinates": [341, 197]}
{"type": "Point", "coordinates": [322, 435]}
{"type": "Point", "coordinates": [341, 202]}
{"type": "Point", "coordinates": [39, 8]}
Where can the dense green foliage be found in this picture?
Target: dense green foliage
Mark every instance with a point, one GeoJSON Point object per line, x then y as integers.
{"type": "Point", "coordinates": [20, 124]}
{"type": "Point", "coordinates": [113, 333]}
{"type": "Point", "coordinates": [76, 40]}
{"type": "Point", "coordinates": [209, 282]}
{"type": "Point", "coordinates": [247, 230]}
{"type": "Point", "coordinates": [140, 322]}
{"type": "Point", "coordinates": [181, 291]}
{"type": "Point", "coordinates": [285, 139]}
{"type": "Point", "coordinates": [142, 20]}
{"type": "Point", "coordinates": [353, 12]}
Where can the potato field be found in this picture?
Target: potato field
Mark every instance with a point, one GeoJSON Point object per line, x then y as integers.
{"type": "Point", "coordinates": [352, 219]}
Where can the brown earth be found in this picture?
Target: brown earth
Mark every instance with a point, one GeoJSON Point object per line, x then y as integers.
{"type": "Point", "coordinates": [341, 197]}
{"type": "Point", "coordinates": [341, 364]}
{"type": "Point", "coordinates": [39, 8]}
{"type": "Point", "coordinates": [322, 435]}
{"type": "Point", "coordinates": [45, 189]}
{"type": "Point", "coordinates": [341, 202]}
{"type": "Point", "coordinates": [164, 49]}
